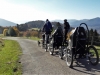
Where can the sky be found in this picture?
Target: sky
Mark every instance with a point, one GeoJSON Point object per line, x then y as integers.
{"type": "Point", "coordinates": [21, 11]}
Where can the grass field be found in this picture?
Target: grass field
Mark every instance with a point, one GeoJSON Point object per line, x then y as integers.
{"type": "Point", "coordinates": [1, 35]}
{"type": "Point", "coordinates": [34, 38]}
{"type": "Point", "coordinates": [98, 48]}
{"type": "Point", "coordinates": [9, 56]}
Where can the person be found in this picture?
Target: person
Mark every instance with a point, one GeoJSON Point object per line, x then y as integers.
{"type": "Point", "coordinates": [58, 35]}
{"type": "Point", "coordinates": [66, 28]}
{"type": "Point", "coordinates": [47, 28]}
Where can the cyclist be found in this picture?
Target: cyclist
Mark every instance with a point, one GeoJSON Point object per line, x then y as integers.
{"type": "Point", "coordinates": [47, 28]}
{"type": "Point", "coordinates": [66, 28]}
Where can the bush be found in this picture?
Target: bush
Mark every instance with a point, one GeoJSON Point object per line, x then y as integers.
{"type": "Point", "coordinates": [11, 32]}
{"type": "Point", "coordinates": [5, 32]}
{"type": "Point", "coordinates": [30, 33]}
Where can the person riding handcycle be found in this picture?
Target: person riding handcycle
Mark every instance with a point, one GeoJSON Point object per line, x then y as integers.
{"type": "Point", "coordinates": [58, 36]}
{"type": "Point", "coordinates": [47, 29]}
{"type": "Point", "coordinates": [57, 39]}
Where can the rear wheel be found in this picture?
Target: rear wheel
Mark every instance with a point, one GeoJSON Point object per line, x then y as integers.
{"type": "Point", "coordinates": [51, 49]}
{"type": "Point", "coordinates": [93, 55]}
{"type": "Point", "coordinates": [69, 58]}
{"type": "Point", "coordinates": [61, 53]}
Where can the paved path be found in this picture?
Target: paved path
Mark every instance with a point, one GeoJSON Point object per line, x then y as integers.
{"type": "Point", "coordinates": [35, 61]}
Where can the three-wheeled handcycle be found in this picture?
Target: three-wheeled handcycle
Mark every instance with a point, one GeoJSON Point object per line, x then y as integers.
{"type": "Point", "coordinates": [78, 46]}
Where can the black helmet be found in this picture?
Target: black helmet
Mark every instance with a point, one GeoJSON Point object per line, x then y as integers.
{"type": "Point", "coordinates": [65, 20]}
{"type": "Point", "coordinates": [58, 24]}
{"type": "Point", "coordinates": [47, 20]}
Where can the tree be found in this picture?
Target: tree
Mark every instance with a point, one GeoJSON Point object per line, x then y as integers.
{"type": "Point", "coordinates": [96, 35]}
{"type": "Point", "coordinates": [17, 26]}
{"type": "Point", "coordinates": [5, 32]}
{"type": "Point", "coordinates": [91, 32]}
{"type": "Point", "coordinates": [16, 30]}
{"type": "Point", "coordinates": [11, 31]}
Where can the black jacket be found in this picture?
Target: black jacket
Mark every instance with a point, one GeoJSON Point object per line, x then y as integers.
{"type": "Point", "coordinates": [66, 26]}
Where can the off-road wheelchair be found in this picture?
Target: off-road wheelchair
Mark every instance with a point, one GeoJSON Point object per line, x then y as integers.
{"type": "Point", "coordinates": [78, 46]}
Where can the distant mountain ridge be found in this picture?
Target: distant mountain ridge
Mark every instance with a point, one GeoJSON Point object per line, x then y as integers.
{"type": "Point", "coordinates": [4, 23]}
{"type": "Point", "coordinates": [92, 23]}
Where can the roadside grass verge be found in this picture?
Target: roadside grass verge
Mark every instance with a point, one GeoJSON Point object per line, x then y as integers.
{"type": "Point", "coordinates": [9, 58]}
{"type": "Point", "coordinates": [98, 49]}
{"type": "Point", "coordinates": [32, 38]}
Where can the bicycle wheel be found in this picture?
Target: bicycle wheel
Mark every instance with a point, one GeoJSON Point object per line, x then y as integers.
{"type": "Point", "coordinates": [93, 55]}
{"type": "Point", "coordinates": [46, 43]}
{"type": "Point", "coordinates": [61, 53]}
{"type": "Point", "coordinates": [51, 49]}
{"type": "Point", "coordinates": [69, 58]}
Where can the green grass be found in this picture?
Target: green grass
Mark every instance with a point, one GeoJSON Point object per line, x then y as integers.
{"type": "Point", "coordinates": [34, 38]}
{"type": "Point", "coordinates": [34, 29]}
{"type": "Point", "coordinates": [1, 35]}
{"type": "Point", "coordinates": [98, 49]}
{"type": "Point", "coordinates": [9, 56]}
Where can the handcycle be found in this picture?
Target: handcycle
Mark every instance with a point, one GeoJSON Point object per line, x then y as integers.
{"type": "Point", "coordinates": [55, 43]}
{"type": "Point", "coordinates": [79, 48]}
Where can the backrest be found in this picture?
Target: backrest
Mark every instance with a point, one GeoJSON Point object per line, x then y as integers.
{"type": "Point", "coordinates": [58, 37]}
{"type": "Point", "coordinates": [81, 33]}
{"type": "Point", "coordinates": [80, 36]}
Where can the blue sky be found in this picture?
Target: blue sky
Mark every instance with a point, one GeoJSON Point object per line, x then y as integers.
{"type": "Point", "coordinates": [19, 11]}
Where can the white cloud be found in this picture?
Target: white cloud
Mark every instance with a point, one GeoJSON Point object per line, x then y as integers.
{"type": "Point", "coordinates": [18, 13]}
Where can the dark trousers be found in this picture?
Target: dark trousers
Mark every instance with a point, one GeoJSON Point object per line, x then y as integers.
{"type": "Point", "coordinates": [65, 35]}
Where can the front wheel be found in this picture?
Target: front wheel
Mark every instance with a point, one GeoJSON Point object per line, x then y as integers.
{"type": "Point", "coordinates": [61, 53]}
{"type": "Point", "coordinates": [69, 57]}
{"type": "Point", "coordinates": [93, 55]}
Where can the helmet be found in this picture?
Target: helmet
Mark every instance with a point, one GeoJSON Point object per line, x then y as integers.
{"type": "Point", "coordinates": [47, 20]}
{"type": "Point", "coordinates": [58, 24]}
{"type": "Point", "coordinates": [65, 20]}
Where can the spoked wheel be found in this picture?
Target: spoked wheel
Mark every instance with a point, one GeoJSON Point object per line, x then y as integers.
{"type": "Point", "coordinates": [93, 55]}
{"type": "Point", "coordinates": [69, 57]}
{"type": "Point", "coordinates": [61, 53]}
{"type": "Point", "coordinates": [51, 49]}
{"type": "Point", "coordinates": [43, 45]}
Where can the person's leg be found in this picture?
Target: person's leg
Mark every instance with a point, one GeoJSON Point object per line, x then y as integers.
{"type": "Point", "coordinates": [66, 31]}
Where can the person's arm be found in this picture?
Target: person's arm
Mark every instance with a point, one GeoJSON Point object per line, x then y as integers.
{"type": "Point", "coordinates": [51, 26]}
{"type": "Point", "coordinates": [69, 25]}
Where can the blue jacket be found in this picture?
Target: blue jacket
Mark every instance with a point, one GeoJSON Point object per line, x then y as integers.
{"type": "Point", "coordinates": [47, 27]}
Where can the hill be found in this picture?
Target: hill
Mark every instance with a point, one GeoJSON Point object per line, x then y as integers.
{"type": "Point", "coordinates": [92, 23]}
{"type": "Point", "coordinates": [4, 23]}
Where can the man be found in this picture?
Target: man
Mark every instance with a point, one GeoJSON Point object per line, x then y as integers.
{"type": "Point", "coordinates": [47, 28]}
{"type": "Point", "coordinates": [66, 28]}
